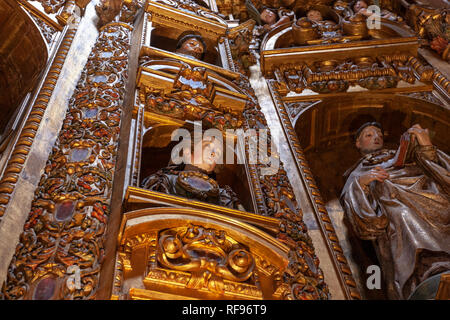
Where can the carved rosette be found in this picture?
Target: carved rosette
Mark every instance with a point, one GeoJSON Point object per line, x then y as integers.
{"type": "Point", "coordinates": [64, 234]}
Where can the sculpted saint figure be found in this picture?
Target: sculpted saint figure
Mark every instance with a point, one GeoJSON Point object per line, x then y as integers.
{"type": "Point", "coordinates": [195, 178]}
{"type": "Point", "coordinates": [192, 45]}
{"type": "Point", "coordinates": [401, 200]}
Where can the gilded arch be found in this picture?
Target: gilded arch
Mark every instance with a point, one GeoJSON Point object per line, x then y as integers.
{"type": "Point", "coordinates": [180, 253]}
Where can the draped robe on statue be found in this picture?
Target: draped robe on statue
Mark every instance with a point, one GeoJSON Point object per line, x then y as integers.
{"type": "Point", "coordinates": [407, 216]}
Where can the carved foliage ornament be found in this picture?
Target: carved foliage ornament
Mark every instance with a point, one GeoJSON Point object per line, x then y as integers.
{"type": "Point", "coordinates": [191, 98]}
{"type": "Point", "coordinates": [303, 278]}
{"type": "Point", "coordinates": [432, 24]}
{"type": "Point", "coordinates": [65, 230]}
{"type": "Point", "coordinates": [240, 40]}
{"type": "Point", "coordinates": [51, 6]}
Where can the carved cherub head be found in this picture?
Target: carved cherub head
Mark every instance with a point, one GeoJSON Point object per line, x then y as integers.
{"type": "Point", "coordinates": [359, 5]}
{"type": "Point", "coordinates": [268, 16]}
{"type": "Point", "coordinates": [314, 15]}
{"type": "Point", "coordinates": [191, 44]}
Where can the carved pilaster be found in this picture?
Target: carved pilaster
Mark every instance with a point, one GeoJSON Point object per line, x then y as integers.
{"type": "Point", "coordinates": [338, 258]}
{"type": "Point", "coordinates": [23, 145]}
{"type": "Point", "coordinates": [64, 234]}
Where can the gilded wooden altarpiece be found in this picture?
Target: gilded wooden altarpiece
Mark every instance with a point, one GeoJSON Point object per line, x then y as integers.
{"type": "Point", "coordinates": [67, 222]}
{"type": "Point", "coordinates": [169, 247]}
{"type": "Point", "coordinates": [165, 99]}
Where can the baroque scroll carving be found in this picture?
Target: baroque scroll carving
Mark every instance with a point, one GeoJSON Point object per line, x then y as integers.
{"type": "Point", "coordinates": [191, 98]}
{"type": "Point", "coordinates": [209, 255]}
{"type": "Point", "coordinates": [65, 230]}
{"type": "Point", "coordinates": [333, 76]}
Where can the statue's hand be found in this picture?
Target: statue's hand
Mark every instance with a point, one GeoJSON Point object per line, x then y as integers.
{"type": "Point", "coordinates": [375, 174]}
{"type": "Point", "coordinates": [422, 135]}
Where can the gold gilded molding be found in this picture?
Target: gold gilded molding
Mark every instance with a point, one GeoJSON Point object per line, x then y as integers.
{"type": "Point", "coordinates": [153, 52]}
{"type": "Point", "coordinates": [426, 73]}
{"type": "Point", "coordinates": [137, 197]}
{"type": "Point", "coordinates": [23, 145]}
{"type": "Point", "coordinates": [176, 21]}
{"type": "Point", "coordinates": [62, 8]}
{"type": "Point", "coordinates": [39, 15]}
{"type": "Point", "coordinates": [332, 76]}
{"type": "Point", "coordinates": [272, 58]}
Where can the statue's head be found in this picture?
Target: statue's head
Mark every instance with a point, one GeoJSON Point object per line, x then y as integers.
{"type": "Point", "coordinates": [191, 44]}
{"type": "Point", "coordinates": [268, 16]}
{"type": "Point", "coordinates": [369, 137]}
{"type": "Point", "coordinates": [314, 15]}
{"type": "Point", "coordinates": [207, 160]}
{"type": "Point", "coordinates": [359, 5]}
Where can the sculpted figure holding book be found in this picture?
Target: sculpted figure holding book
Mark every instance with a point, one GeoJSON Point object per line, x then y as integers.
{"type": "Point", "coordinates": [400, 199]}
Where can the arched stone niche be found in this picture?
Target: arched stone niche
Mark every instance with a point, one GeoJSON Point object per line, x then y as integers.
{"type": "Point", "coordinates": [179, 253]}
{"type": "Point", "coordinates": [326, 130]}
{"type": "Point", "coordinates": [23, 55]}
